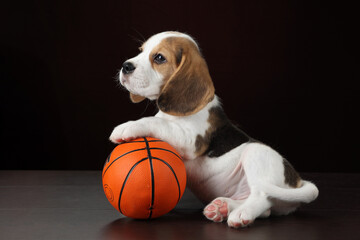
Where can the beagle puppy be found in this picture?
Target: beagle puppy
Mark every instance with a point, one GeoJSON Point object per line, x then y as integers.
{"type": "Point", "coordinates": [239, 178]}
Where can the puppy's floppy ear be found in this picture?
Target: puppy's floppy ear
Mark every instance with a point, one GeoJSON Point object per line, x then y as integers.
{"type": "Point", "coordinates": [136, 98]}
{"type": "Point", "coordinates": [190, 88]}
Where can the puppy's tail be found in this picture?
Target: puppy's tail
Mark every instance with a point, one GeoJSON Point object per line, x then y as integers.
{"type": "Point", "coordinates": [308, 192]}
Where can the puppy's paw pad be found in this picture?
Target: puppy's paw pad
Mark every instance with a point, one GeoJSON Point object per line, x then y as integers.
{"type": "Point", "coordinates": [217, 210]}
{"type": "Point", "coordinates": [240, 223]}
{"type": "Point", "coordinates": [234, 224]}
{"type": "Point", "coordinates": [243, 220]}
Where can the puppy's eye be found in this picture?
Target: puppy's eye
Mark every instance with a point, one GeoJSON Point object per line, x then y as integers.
{"type": "Point", "coordinates": [159, 59]}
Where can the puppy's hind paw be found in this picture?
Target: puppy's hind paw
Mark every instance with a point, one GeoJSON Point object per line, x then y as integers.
{"type": "Point", "coordinates": [240, 218]}
{"type": "Point", "coordinates": [217, 210]}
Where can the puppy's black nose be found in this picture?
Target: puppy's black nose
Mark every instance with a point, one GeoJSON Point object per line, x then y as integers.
{"type": "Point", "coordinates": [128, 67]}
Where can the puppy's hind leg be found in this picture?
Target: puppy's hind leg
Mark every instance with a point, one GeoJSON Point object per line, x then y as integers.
{"type": "Point", "coordinates": [256, 205]}
{"type": "Point", "coordinates": [219, 209]}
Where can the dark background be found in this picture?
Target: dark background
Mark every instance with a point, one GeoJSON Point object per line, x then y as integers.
{"type": "Point", "coordinates": [284, 70]}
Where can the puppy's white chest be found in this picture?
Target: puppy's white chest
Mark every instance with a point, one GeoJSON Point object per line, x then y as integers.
{"type": "Point", "coordinates": [209, 178]}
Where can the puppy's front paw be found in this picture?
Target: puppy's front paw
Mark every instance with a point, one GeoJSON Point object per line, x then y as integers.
{"type": "Point", "coordinates": [127, 131]}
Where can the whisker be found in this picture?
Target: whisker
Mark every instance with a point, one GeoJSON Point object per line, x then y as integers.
{"type": "Point", "coordinates": [137, 39]}
{"type": "Point", "coordinates": [140, 35]}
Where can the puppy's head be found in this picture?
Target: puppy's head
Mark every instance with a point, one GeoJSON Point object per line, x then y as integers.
{"type": "Point", "coordinates": [171, 70]}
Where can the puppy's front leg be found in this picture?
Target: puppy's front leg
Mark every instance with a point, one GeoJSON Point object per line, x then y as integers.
{"type": "Point", "coordinates": [148, 127]}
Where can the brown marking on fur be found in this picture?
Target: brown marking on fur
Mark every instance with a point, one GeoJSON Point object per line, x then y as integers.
{"type": "Point", "coordinates": [168, 50]}
{"type": "Point", "coordinates": [136, 98]}
{"type": "Point", "coordinates": [292, 178]}
{"type": "Point", "coordinates": [187, 83]}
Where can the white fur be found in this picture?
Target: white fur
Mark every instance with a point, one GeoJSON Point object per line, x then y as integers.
{"type": "Point", "coordinates": [248, 181]}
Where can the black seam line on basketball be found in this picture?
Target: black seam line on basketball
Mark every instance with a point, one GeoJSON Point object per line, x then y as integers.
{"type": "Point", "coordinates": [142, 141]}
{"type": "Point", "coordinates": [137, 141]}
{"type": "Point", "coordinates": [107, 160]}
{"type": "Point", "coordinates": [152, 177]}
{"type": "Point", "coordinates": [121, 157]}
{"type": "Point", "coordinates": [163, 149]}
{"type": "Point", "coordinates": [126, 178]}
{"type": "Point", "coordinates": [177, 180]}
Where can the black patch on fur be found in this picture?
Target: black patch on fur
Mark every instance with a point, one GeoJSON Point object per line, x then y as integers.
{"type": "Point", "coordinates": [222, 136]}
{"type": "Point", "coordinates": [291, 176]}
{"type": "Point", "coordinates": [225, 139]}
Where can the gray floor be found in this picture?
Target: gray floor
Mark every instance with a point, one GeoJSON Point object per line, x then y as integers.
{"type": "Point", "coordinates": [58, 205]}
{"type": "Point", "coordinates": [71, 205]}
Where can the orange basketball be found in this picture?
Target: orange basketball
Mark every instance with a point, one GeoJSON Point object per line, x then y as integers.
{"type": "Point", "coordinates": [144, 178]}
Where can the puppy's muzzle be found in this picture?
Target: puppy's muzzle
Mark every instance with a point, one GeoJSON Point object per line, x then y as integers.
{"type": "Point", "coordinates": [128, 68]}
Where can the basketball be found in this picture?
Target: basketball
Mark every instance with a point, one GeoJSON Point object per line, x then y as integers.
{"type": "Point", "coordinates": [144, 178]}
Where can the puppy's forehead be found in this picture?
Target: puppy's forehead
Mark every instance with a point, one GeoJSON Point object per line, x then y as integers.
{"type": "Point", "coordinates": [155, 40]}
